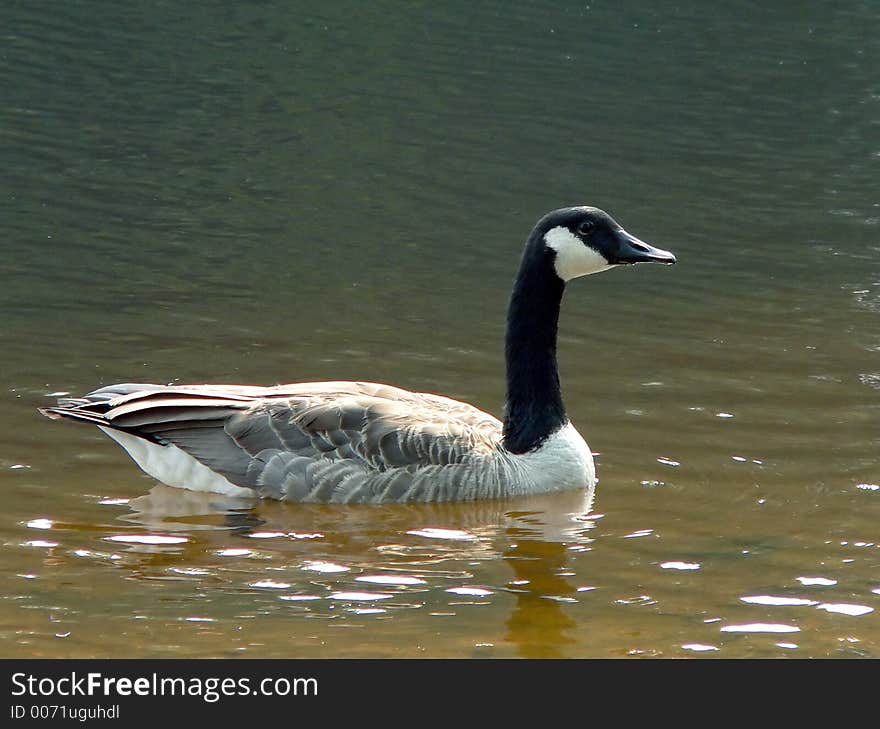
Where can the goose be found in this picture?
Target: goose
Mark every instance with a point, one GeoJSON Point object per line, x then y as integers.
{"type": "Point", "coordinates": [367, 442]}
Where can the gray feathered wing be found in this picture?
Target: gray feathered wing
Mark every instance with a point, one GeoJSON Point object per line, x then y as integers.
{"type": "Point", "coordinates": [322, 442]}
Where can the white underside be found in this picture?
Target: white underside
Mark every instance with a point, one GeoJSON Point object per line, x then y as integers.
{"type": "Point", "coordinates": [564, 461]}
{"type": "Point", "coordinates": [174, 467]}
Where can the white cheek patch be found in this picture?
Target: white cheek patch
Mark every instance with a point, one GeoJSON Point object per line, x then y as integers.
{"type": "Point", "coordinates": [573, 257]}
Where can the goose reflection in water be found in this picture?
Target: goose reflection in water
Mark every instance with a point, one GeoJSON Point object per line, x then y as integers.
{"type": "Point", "coordinates": [431, 544]}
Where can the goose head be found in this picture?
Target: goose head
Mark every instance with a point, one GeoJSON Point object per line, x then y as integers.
{"type": "Point", "coordinates": [585, 240]}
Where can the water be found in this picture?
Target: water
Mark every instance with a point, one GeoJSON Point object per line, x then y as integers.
{"type": "Point", "coordinates": [269, 192]}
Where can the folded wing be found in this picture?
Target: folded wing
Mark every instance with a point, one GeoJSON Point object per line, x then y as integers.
{"type": "Point", "coordinates": [330, 441]}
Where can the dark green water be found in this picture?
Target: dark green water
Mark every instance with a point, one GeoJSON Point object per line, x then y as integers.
{"type": "Point", "coordinates": [268, 192]}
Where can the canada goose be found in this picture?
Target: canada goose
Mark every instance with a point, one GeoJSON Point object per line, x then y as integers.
{"type": "Point", "coordinates": [365, 442]}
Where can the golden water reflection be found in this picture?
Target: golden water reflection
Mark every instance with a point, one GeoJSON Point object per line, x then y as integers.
{"type": "Point", "coordinates": [534, 537]}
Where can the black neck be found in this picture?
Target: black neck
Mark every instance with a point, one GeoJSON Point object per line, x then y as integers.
{"type": "Point", "coordinates": [534, 407]}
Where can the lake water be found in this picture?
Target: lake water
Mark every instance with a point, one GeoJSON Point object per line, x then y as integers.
{"type": "Point", "coordinates": [267, 192]}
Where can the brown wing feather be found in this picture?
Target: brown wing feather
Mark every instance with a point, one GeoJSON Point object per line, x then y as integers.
{"type": "Point", "coordinates": [318, 441]}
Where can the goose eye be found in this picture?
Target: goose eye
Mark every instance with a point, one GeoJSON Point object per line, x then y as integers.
{"type": "Point", "coordinates": [586, 227]}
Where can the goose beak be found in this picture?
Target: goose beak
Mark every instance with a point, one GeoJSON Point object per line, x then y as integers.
{"type": "Point", "coordinates": [633, 250]}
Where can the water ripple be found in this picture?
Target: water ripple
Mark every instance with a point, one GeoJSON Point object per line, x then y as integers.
{"type": "Point", "coordinates": [777, 600]}
{"type": "Point", "coordinates": [845, 608]}
{"type": "Point", "coordinates": [760, 628]}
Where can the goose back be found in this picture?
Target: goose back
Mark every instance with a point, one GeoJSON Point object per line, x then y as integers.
{"type": "Point", "coordinates": [323, 442]}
